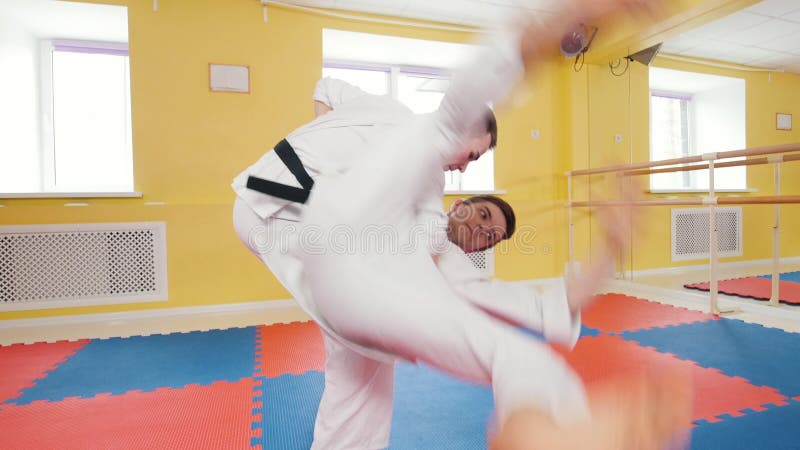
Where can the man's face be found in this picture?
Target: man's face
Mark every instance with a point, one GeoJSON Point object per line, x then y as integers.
{"type": "Point", "coordinates": [475, 226]}
{"type": "Point", "coordinates": [472, 149]}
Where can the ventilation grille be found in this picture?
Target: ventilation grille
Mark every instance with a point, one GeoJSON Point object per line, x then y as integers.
{"type": "Point", "coordinates": [85, 264]}
{"type": "Point", "coordinates": [690, 238]}
{"type": "Point", "coordinates": [483, 261]}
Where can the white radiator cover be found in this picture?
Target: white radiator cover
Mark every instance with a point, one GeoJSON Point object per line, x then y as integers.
{"type": "Point", "coordinates": [483, 261]}
{"type": "Point", "coordinates": [64, 265]}
{"type": "Point", "coordinates": [690, 234]}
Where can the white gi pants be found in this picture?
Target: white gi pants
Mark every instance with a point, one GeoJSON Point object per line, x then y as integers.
{"type": "Point", "coordinates": [356, 407]}
{"type": "Point", "coordinates": [399, 303]}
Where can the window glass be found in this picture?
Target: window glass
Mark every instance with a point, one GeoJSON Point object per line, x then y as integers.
{"type": "Point", "coordinates": [371, 81]}
{"type": "Point", "coordinates": [91, 122]}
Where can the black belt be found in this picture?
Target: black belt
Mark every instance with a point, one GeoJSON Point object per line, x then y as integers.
{"type": "Point", "coordinates": [292, 193]}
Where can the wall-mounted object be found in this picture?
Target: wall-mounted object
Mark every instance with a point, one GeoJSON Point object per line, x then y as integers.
{"type": "Point", "coordinates": [229, 78]}
{"type": "Point", "coordinates": [783, 121]}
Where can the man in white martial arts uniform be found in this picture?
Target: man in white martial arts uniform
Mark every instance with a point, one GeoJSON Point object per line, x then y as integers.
{"type": "Point", "coordinates": [347, 117]}
{"type": "Point", "coordinates": [357, 115]}
{"type": "Point", "coordinates": [397, 302]}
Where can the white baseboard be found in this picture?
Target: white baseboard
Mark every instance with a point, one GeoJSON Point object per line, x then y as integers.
{"type": "Point", "coordinates": [700, 301]}
{"type": "Point", "coordinates": [164, 313]}
{"type": "Point", "coordinates": [722, 265]}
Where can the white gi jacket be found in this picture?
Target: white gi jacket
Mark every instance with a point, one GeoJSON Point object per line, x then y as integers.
{"type": "Point", "coordinates": [325, 146]}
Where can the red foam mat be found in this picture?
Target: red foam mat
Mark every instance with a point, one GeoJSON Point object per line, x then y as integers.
{"type": "Point", "coordinates": [22, 364]}
{"type": "Point", "coordinates": [290, 348]}
{"type": "Point", "coordinates": [615, 313]}
{"type": "Point", "coordinates": [599, 357]}
{"type": "Point", "coordinates": [218, 416]}
{"type": "Point", "coordinates": [754, 287]}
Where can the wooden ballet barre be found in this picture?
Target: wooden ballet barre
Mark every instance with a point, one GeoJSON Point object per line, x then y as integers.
{"type": "Point", "coordinates": [761, 200]}
{"type": "Point", "coordinates": [744, 162]}
{"type": "Point", "coordinates": [657, 202]}
{"type": "Point", "coordinates": [770, 150]}
{"type": "Point", "coordinates": [707, 161]}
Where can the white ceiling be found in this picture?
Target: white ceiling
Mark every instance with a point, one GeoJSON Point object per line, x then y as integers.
{"type": "Point", "coordinates": [766, 34]}
{"type": "Point", "coordinates": [472, 13]}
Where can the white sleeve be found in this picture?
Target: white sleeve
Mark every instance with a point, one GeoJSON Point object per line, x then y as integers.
{"type": "Point", "coordinates": [431, 216]}
{"type": "Point", "coordinates": [490, 77]}
{"type": "Point", "coordinates": [540, 308]}
{"type": "Point", "coordinates": [334, 92]}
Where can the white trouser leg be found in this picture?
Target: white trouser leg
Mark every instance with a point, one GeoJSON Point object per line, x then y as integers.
{"type": "Point", "coordinates": [396, 304]}
{"type": "Point", "coordinates": [270, 241]}
{"type": "Point", "coordinates": [356, 407]}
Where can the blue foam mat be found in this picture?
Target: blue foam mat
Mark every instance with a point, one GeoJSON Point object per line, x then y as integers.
{"type": "Point", "coordinates": [763, 356]}
{"type": "Point", "coordinates": [773, 429]}
{"type": "Point", "coordinates": [785, 276]}
{"type": "Point", "coordinates": [435, 411]}
{"type": "Point", "coordinates": [120, 365]}
{"type": "Point", "coordinates": [288, 408]}
{"type": "Point", "coordinates": [431, 411]}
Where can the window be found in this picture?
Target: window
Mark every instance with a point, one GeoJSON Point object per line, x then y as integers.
{"type": "Point", "coordinates": [669, 116]}
{"type": "Point", "coordinates": [692, 114]}
{"type": "Point", "coordinates": [89, 134]}
{"type": "Point", "coordinates": [66, 127]}
{"type": "Point", "coordinates": [371, 62]}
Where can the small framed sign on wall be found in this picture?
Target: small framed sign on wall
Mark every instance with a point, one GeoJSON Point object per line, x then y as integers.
{"type": "Point", "coordinates": [783, 121]}
{"type": "Point", "coordinates": [229, 78]}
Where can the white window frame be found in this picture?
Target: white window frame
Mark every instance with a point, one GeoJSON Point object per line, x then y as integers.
{"type": "Point", "coordinates": [705, 94]}
{"type": "Point", "coordinates": [47, 182]}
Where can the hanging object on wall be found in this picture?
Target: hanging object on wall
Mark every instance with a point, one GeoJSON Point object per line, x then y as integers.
{"type": "Point", "coordinates": [783, 121]}
{"type": "Point", "coordinates": [642, 56]}
{"type": "Point", "coordinates": [577, 41]}
{"type": "Point", "coordinates": [645, 56]}
{"type": "Point", "coordinates": [264, 3]}
{"type": "Point", "coordinates": [229, 78]}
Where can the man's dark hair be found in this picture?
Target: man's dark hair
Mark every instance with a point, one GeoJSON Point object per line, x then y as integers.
{"type": "Point", "coordinates": [491, 126]}
{"type": "Point", "coordinates": [507, 210]}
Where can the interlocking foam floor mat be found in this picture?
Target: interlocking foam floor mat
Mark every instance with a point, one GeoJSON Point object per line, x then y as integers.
{"type": "Point", "coordinates": [259, 387]}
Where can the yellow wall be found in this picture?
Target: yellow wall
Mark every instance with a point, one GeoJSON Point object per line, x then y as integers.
{"type": "Point", "coordinates": [621, 103]}
{"type": "Point", "coordinates": [189, 143]}
{"type": "Point", "coordinates": [766, 95]}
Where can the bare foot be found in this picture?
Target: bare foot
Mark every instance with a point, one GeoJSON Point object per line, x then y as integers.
{"type": "Point", "coordinates": [630, 413]}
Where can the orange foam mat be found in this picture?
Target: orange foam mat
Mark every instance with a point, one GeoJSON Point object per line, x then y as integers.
{"type": "Point", "coordinates": [22, 364]}
{"type": "Point", "coordinates": [289, 348]}
{"type": "Point", "coordinates": [616, 313]}
{"type": "Point", "coordinates": [715, 394]}
{"type": "Point", "coordinates": [217, 416]}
